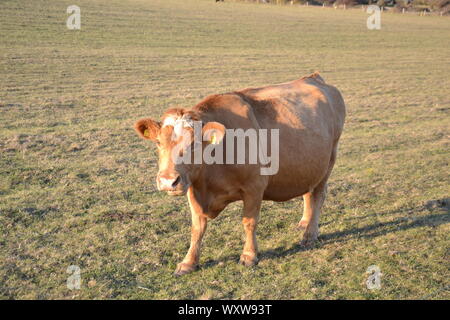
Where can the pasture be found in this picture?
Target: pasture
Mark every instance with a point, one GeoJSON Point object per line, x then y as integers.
{"type": "Point", "coordinates": [77, 185]}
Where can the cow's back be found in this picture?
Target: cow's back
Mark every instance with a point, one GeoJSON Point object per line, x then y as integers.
{"type": "Point", "coordinates": [310, 116]}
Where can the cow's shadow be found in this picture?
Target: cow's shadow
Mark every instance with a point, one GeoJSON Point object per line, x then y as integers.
{"type": "Point", "coordinates": [439, 214]}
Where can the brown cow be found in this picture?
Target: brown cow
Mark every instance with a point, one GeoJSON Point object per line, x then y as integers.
{"type": "Point", "coordinates": [309, 115]}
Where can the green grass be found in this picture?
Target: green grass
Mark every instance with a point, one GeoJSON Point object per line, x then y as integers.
{"type": "Point", "coordinates": [77, 184]}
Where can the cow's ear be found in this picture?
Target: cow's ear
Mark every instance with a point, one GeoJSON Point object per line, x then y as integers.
{"type": "Point", "coordinates": [213, 132]}
{"type": "Point", "coordinates": [147, 128]}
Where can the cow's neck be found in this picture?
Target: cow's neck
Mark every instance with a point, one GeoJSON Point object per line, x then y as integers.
{"type": "Point", "coordinates": [212, 192]}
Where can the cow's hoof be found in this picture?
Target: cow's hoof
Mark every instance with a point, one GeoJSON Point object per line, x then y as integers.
{"type": "Point", "coordinates": [184, 268]}
{"type": "Point", "coordinates": [308, 240]}
{"type": "Point", "coordinates": [248, 261]}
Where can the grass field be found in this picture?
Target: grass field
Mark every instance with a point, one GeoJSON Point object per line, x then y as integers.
{"type": "Point", "coordinates": [77, 186]}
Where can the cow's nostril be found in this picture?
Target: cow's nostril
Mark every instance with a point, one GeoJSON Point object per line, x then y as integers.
{"type": "Point", "coordinates": [168, 182]}
{"type": "Point", "coordinates": [176, 182]}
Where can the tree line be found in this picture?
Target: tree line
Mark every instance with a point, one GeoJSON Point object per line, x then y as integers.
{"type": "Point", "coordinates": [441, 6]}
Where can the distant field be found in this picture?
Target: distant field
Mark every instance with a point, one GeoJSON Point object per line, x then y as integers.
{"type": "Point", "coordinates": [77, 186]}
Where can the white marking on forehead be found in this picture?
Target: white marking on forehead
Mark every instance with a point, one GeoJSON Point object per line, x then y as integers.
{"type": "Point", "coordinates": [178, 123]}
{"type": "Point", "coordinates": [169, 121]}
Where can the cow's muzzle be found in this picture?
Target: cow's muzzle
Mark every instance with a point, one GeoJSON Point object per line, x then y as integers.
{"type": "Point", "coordinates": [172, 183]}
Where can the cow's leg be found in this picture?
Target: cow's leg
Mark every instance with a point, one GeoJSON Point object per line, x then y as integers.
{"type": "Point", "coordinates": [307, 211]}
{"type": "Point", "coordinates": [199, 222]}
{"type": "Point", "coordinates": [190, 261]}
{"type": "Point", "coordinates": [252, 206]}
{"type": "Point", "coordinates": [313, 202]}
{"type": "Point", "coordinates": [313, 206]}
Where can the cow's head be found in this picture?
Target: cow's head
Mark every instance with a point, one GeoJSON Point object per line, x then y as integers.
{"type": "Point", "coordinates": [175, 137]}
